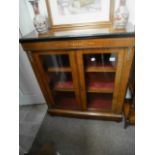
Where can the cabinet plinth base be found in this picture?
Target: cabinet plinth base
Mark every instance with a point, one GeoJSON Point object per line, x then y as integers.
{"type": "Point", "coordinates": [86, 114]}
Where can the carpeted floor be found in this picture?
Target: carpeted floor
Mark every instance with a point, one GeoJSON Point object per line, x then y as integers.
{"type": "Point", "coordinates": [71, 136]}
{"type": "Point", "coordinates": [30, 120]}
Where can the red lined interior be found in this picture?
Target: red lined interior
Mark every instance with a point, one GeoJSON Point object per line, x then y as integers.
{"type": "Point", "coordinates": [100, 101]}
{"type": "Point", "coordinates": [64, 84]}
{"type": "Point", "coordinates": [65, 100]}
{"type": "Point", "coordinates": [100, 80]}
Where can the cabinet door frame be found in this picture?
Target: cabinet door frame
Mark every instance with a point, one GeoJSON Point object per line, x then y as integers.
{"type": "Point", "coordinates": [127, 63]}
{"type": "Point", "coordinates": [74, 73]}
{"type": "Point", "coordinates": [120, 57]}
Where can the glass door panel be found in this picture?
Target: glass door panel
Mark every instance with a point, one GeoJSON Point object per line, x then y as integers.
{"type": "Point", "coordinates": [59, 77]}
{"type": "Point", "coordinates": [51, 62]}
{"type": "Point", "coordinates": [100, 72]}
{"type": "Point", "coordinates": [60, 81]}
{"type": "Point", "coordinates": [100, 78]}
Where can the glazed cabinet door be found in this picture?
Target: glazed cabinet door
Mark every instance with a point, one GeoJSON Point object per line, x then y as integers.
{"type": "Point", "coordinates": [100, 74]}
{"type": "Point", "coordinates": [59, 76]}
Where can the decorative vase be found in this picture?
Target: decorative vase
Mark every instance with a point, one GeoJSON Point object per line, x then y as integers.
{"type": "Point", "coordinates": [40, 22]}
{"type": "Point", "coordinates": [121, 16]}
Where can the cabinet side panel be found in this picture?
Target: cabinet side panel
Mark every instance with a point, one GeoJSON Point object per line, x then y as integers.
{"type": "Point", "coordinates": [37, 74]}
{"type": "Point", "coordinates": [128, 58]}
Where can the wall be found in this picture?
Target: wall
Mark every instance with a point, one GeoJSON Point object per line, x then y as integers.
{"type": "Point", "coordinates": [25, 21]}
{"type": "Point", "coordinates": [29, 90]}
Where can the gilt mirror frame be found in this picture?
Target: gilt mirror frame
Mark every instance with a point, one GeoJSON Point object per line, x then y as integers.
{"type": "Point", "coordinates": [52, 8]}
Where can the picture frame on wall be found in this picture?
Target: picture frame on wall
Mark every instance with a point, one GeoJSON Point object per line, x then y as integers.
{"type": "Point", "coordinates": [71, 14]}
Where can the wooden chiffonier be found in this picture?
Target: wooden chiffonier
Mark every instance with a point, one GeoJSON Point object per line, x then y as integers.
{"type": "Point", "coordinates": [82, 74]}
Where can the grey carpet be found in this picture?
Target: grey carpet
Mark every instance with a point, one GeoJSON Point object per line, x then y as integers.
{"type": "Point", "coordinates": [30, 120]}
{"type": "Point", "coordinates": [71, 136]}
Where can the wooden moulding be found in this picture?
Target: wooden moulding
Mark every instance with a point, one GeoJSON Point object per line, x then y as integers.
{"type": "Point", "coordinates": [78, 44]}
{"type": "Point", "coordinates": [86, 114]}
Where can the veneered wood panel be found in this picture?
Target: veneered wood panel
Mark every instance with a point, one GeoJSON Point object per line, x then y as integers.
{"type": "Point", "coordinates": [127, 62]}
{"type": "Point", "coordinates": [117, 79]}
{"type": "Point", "coordinates": [86, 114]}
{"type": "Point", "coordinates": [79, 44]}
{"type": "Point", "coordinates": [80, 67]}
{"type": "Point", "coordinates": [75, 78]}
{"type": "Point", "coordinates": [43, 78]}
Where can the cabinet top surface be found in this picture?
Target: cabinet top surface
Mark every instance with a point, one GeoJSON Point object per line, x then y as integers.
{"type": "Point", "coordinates": [78, 34]}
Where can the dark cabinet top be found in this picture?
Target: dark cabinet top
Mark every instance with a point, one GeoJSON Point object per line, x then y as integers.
{"type": "Point", "coordinates": [78, 34]}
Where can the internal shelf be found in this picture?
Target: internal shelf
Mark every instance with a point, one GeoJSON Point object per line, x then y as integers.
{"type": "Point", "coordinates": [64, 86]}
{"type": "Point", "coordinates": [103, 62]}
{"type": "Point", "coordinates": [102, 87]}
{"type": "Point", "coordinates": [59, 69]}
{"type": "Point", "coordinates": [100, 82]}
{"type": "Point", "coordinates": [100, 68]}
{"type": "Point", "coordinates": [60, 81]}
{"type": "Point", "coordinates": [99, 101]}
